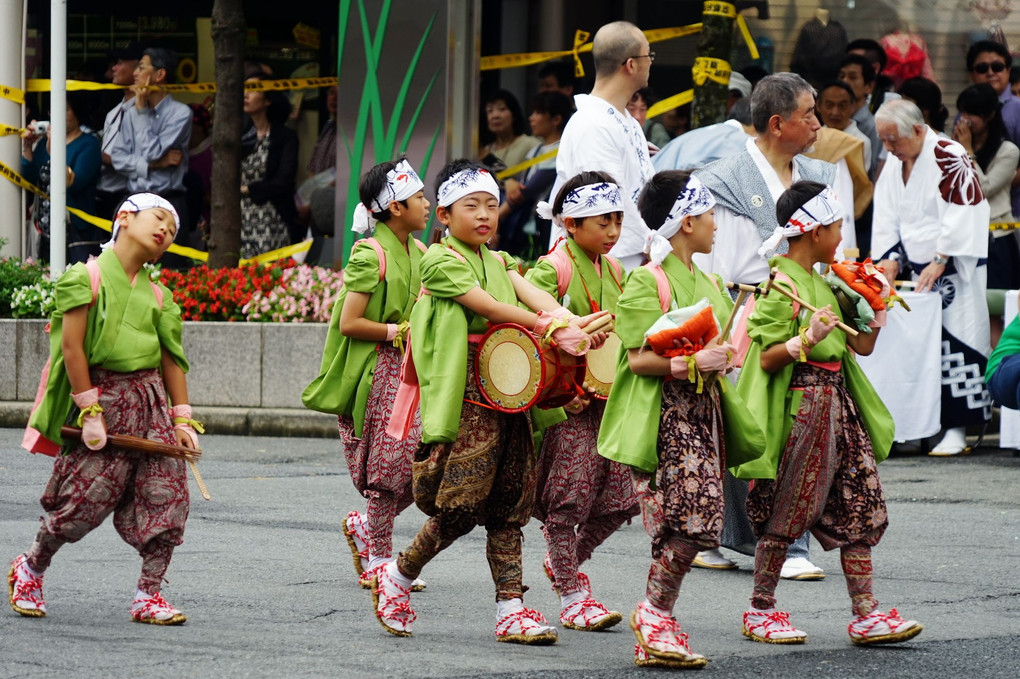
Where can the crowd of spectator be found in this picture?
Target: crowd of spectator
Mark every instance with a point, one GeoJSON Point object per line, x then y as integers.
{"type": "Point", "coordinates": [151, 142]}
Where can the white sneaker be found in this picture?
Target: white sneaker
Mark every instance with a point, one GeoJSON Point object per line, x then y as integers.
{"type": "Point", "coordinates": [800, 568]}
{"type": "Point", "coordinates": [771, 627]}
{"type": "Point", "coordinates": [660, 641]}
{"type": "Point", "coordinates": [392, 603]}
{"type": "Point", "coordinates": [883, 628]}
{"type": "Point", "coordinates": [356, 532]}
{"type": "Point", "coordinates": [25, 587]}
{"type": "Point", "coordinates": [153, 609]}
{"type": "Point", "coordinates": [953, 443]}
{"type": "Point", "coordinates": [713, 558]}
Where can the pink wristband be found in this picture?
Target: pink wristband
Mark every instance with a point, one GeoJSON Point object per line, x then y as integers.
{"type": "Point", "coordinates": [391, 331]}
{"type": "Point", "coordinates": [679, 367]}
{"type": "Point", "coordinates": [795, 347]}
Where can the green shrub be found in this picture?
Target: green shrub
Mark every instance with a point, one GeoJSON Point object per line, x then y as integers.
{"type": "Point", "coordinates": [14, 274]}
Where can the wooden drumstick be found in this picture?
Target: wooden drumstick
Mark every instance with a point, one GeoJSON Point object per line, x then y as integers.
{"type": "Point", "coordinates": [198, 480]}
{"type": "Point", "coordinates": [602, 324]}
{"type": "Point", "coordinates": [733, 314]}
{"type": "Point", "coordinates": [783, 291]}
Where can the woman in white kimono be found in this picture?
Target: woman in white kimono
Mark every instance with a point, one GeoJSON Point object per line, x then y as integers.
{"type": "Point", "coordinates": [931, 219]}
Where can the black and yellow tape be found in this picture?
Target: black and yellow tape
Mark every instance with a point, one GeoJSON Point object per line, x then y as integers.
{"type": "Point", "coordinates": [1004, 226]}
{"type": "Point", "coordinates": [190, 253]}
{"type": "Point", "coordinates": [45, 85]}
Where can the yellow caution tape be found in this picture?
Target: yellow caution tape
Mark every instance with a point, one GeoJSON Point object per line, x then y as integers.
{"type": "Point", "coordinates": [274, 255]}
{"type": "Point", "coordinates": [1004, 226]}
{"type": "Point", "coordinates": [6, 130]}
{"type": "Point", "coordinates": [521, 167]}
{"type": "Point", "coordinates": [44, 85]}
{"type": "Point", "coordinates": [746, 32]}
{"type": "Point", "coordinates": [501, 61]}
{"type": "Point", "coordinates": [13, 94]}
{"type": "Point", "coordinates": [190, 253]}
{"type": "Point", "coordinates": [670, 103]}
{"type": "Point", "coordinates": [719, 9]}
{"type": "Point", "coordinates": [708, 68]}
{"type": "Point", "coordinates": [654, 35]}
{"type": "Point", "coordinates": [581, 44]}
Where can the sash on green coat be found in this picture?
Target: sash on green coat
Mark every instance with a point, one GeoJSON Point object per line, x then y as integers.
{"type": "Point", "coordinates": [348, 364]}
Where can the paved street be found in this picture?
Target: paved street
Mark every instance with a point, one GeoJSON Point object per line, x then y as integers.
{"type": "Point", "coordinates": [266, 580]}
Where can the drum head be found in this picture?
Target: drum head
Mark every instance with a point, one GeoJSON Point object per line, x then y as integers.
{"type": "Point", "coordinates": [509, 368]}
{"type": "Point", "coordinates": [602, 366]}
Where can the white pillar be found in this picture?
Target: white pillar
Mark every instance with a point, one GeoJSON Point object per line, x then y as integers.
{"type": "Point", "coordinates": [12, 67]}
{"type": "Point", "coordinates": [58, 135]}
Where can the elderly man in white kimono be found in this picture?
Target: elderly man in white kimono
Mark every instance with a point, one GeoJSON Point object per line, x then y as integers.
{"type": "Point", "coordinates": [603, 136]}
{"type": "Point", "coordinates": [931, 220]}
{"type": "Point", "coordinates": [746, 186]}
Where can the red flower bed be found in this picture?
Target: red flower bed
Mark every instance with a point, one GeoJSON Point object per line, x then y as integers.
{"type": "Point", "coordinates": [206, 294]}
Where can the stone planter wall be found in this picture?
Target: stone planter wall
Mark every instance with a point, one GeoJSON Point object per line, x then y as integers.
{"type": "Point", "coordinates": [240, 365]}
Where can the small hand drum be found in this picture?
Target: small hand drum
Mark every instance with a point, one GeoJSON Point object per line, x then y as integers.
{"type": "Point", "coordinates": [515, 370]}
{"type": "Point", "coordinates": [602, 366]}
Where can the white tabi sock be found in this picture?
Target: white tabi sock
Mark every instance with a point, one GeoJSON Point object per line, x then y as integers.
{"type": "Point", "coordinates": [396, 576]}
{"type": "Point", "coordinates": [374, 560]}
{"type": "Point", "coordinates": [505, 607]}
{"type": "Point", "coordinates": [568, 600]}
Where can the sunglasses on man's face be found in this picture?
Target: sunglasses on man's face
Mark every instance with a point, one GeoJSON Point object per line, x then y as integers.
{"type": "Point", "coordinates": [996, 66]}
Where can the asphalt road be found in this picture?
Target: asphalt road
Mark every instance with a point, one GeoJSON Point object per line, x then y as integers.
{"type": "Point", "coordinates": [266, 580]}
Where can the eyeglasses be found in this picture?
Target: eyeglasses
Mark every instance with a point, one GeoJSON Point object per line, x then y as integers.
{"type": "Point", "coordinates": [650, 56]}
{"type": "Point", "coordinates": [996, 66]}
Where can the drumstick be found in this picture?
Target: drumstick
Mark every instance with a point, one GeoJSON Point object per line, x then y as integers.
{"type": "Point", "coordinates": [905, 284]}
{"type": "Point", "coordinates": [783, 291]}
{"type": "Point", "coordinates": [599, 325]}
{"type": "Point", "coordinates": [733, 314]}
{"type": "Point", "coordinates": [198, 480]}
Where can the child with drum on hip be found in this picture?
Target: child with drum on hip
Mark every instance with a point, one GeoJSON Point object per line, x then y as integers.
{"type": "Point", "coordinates": [361, 359]}
{"type": "Point", "coordinates": [665, 414]}
{"type": "Point", "coordinates": [582, 497]}
{"type": "Point", "coordinates": [476, 466]}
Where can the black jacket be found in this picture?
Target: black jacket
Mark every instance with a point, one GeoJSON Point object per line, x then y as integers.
{"type": "Point", "coordinates": [281, 171]}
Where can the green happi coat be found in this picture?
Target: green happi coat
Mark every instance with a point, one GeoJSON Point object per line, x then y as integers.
{"type": "Point", "coordinates": [769, 395]}
{"type": "Point", "coordinates": [630, 426]}
{"type": "Point", "coordinates": [126, 331]}
{"type": "Point", "coordinates": [440, 327]}
{"type": "Point", "coordinates": [348, 364]}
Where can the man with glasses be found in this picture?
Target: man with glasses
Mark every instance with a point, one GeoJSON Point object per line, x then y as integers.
{"type": "Point", "coordinates": [603, 136]}
{"type": "Point", "coordinates": [990, 62]}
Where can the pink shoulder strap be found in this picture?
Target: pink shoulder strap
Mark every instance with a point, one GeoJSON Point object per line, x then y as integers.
{"type": "Point", "coordinates": [421, 246]}
{"type": "Point", "coordinates": [564, 269]}
{"type": "Point", "coordinates": [374, 244]}
{"type": "Point", "coordinates": [739, 337]}
{"type": "Point", "coordinates": [614, 264]}
{"type": "Point", "coordinates": [95, 281]}
{"type": "Point", "coordinates": [662, 285]}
